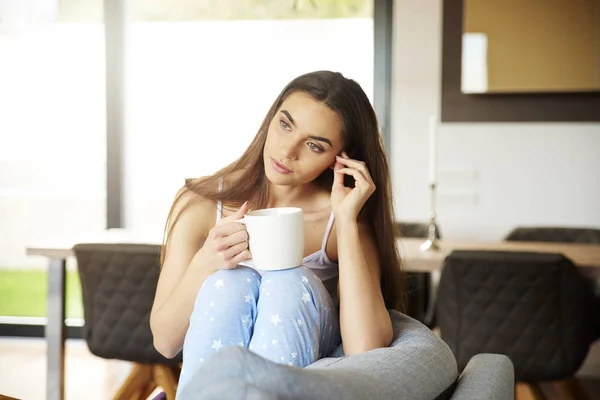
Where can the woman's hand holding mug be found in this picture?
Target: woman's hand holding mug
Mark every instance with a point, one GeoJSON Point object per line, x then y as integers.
{"type": "Point", "coordinates": [227, 242]}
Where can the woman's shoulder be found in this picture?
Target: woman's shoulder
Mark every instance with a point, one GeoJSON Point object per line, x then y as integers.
{"type": "Point", "coordinates": [193, 208]}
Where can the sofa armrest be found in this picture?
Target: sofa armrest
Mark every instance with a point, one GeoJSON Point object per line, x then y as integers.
{"type": "Point", "coordinates": [486, 376]}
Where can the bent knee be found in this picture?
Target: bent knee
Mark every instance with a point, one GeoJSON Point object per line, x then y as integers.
{"type": "Point", "coordinates": [299, 274]}
{"type": "Point", "coordinates": [221, 277]}
{"type": "Point", "coordinates": [296, 283]}
{"type": "Point", "coordinates": [225, 281]}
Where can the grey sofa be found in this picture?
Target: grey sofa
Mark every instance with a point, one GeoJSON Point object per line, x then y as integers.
{"type": "Point", "coordinates": [417, 365]}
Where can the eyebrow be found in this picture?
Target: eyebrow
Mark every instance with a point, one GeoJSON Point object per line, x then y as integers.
{"type": "Point", "coordinates": [287, 114]}
{"type": "Point", "coordinates": [319, 138]}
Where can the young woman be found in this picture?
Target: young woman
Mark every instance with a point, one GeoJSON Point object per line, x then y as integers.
{"type": "Point", "coordinates": [318, 148]}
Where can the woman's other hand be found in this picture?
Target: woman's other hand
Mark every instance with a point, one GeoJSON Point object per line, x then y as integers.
{"type": "Point", "coordinates": [347, 202]}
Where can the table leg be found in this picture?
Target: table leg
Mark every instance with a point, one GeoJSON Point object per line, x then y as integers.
{"type": "Point", "coordinates": [56, 331]}
{"type": "Point", "coordinates": [434, 283]}
{"type": "Point", "coordinates": [417, 292]}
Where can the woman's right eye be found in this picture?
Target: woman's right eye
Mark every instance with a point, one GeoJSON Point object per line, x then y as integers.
{"type": "Point", "coordinates": [284, 125]}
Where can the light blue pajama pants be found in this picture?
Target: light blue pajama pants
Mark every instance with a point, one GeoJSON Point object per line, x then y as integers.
{"type": "Point", "coordinates": [284, 316]}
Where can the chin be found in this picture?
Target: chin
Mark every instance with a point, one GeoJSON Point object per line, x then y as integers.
{"type": "Point", "coordinates": [278, 179]}
{"type": "Point", "coordinates": [271, 175]}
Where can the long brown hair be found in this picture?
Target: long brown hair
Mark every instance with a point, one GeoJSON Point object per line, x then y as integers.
{"type": "Point", "coordinates": [362, 141]}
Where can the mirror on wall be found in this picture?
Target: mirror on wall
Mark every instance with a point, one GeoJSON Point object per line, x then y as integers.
{"type": "Point", "coordinates": [528, 46]}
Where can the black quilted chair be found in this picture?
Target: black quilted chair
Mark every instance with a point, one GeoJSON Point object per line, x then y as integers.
{"type": "Point", "coordinates": [421, 287]}
{"type": "Point", "coordinates": [536, 308]}
{"type": "Point", "coordinates": [555, 234]}
{"type": "Point", "coordinates": [560, 235]}
{"type": "Point", "coordinates": [118, 285]}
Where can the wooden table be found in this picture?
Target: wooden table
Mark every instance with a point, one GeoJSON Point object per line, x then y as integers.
{"type": "Point", "coordinates": [584, 256]}
{"type": "Point", "coordinates": [587, 257]}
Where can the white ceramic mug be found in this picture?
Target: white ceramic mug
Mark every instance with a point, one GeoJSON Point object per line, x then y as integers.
{"type": "Point", "coordinates": [275, 238]}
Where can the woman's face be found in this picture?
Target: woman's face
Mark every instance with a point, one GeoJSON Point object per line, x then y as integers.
{"type": "Point", "coordinates": [302, 141]}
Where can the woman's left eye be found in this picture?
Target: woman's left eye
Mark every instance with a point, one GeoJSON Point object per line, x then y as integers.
{"type": "Point", "coordinates": [314, 147]}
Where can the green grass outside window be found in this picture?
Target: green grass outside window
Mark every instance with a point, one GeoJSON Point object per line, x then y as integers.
{"type": "Point", "coordinates": [23, 293]}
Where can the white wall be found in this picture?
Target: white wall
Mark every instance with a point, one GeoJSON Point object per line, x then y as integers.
{"type": "Point", "coordinates": [492, 176]}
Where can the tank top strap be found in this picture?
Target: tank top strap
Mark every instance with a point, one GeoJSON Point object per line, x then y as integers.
{"type": "Point", "coordinates": [327, 231]}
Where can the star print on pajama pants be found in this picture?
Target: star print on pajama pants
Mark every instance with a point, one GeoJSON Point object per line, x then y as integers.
{"type": "Point", "coordinates": [285, 316]}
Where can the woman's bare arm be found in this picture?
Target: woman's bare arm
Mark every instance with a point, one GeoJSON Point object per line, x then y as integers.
{"type": "Point", "coordinates": [364, 320]}
{"type": "Point", "coordinates": [181, 276]}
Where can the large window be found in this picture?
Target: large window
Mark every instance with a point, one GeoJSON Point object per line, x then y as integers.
{"type": "Point", "coordinates": [52, 130]}
{"type": "Point", "coordinates": [202, 75]}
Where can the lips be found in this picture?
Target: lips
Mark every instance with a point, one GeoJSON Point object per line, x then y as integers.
{"type": "Point", "coordinates": [279, 167]}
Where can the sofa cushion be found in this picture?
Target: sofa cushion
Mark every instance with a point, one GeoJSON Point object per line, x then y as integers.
{"type": "Point", "coordinates": [417, 365]}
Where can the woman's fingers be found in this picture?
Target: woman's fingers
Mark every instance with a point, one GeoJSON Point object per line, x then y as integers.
{"type": "Point", "coordinates": [233, 251]}
{"type": "Point", "coordinates": [360, 179]}
{"type": "Point", "coordinates": [239, 214]}
{"type": "Point", "coordinates": [356, 174]}
{"type": "Point", "coordinates": [241, 256]}
{"type": "Point", "coordinates": [359, 165]}
{"type": "Point", "coordinates": [226, 229]}
{"type": "Point", "coordinates": [243, 209]}
{"type": "Point", "coordinates": [232, 239]}
{"type": "Point", "coordinates": [235, 255]}
{"type": "Point", "coordinates": [338, 179]}
{"type": "Point", "coordinates": [351, 163]}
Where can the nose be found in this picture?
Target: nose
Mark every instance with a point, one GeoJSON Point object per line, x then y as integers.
{"type": "Point", "coordinates": [289, 150]}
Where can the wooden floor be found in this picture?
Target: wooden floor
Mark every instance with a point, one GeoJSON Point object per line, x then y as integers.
{"type": "Point", "coordinates": [559, 391]}
{"type": "Point", "coordinates": [23, 373]}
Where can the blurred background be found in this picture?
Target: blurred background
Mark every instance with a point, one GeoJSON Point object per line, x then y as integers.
{"type": "Point", "coordinates": [106, 106]}
{"type": "Point", "coordinates": [200, 77]}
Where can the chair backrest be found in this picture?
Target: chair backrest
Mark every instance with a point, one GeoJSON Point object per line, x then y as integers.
{"type": "Point", "coordinates": [555, 234]}
{"type": "Point", "coordinates": [416, 229]}
{"type": "Point", "coordinates": [118, 284]}
{"type": "Point", "coordinates": [532, 307]}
